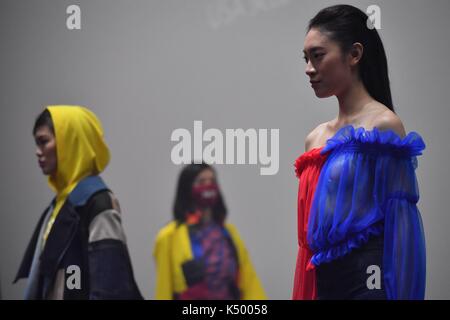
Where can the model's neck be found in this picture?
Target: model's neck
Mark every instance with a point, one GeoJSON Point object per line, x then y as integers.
{"type": "Point", "coordinates": [351, 102]}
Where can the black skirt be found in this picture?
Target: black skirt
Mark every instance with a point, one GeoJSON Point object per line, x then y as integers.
{"type": "Point", "coordinates": [356, 276]}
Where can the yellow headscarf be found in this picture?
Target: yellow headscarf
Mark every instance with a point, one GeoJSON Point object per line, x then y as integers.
{"type": "Point", "coordinates": [81, 151]}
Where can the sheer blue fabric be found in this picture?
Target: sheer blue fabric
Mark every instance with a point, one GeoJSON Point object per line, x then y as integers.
{"type": "Point", "coordinates": [368, 186]}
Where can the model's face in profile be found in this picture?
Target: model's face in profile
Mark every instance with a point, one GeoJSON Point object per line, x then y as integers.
{"type": "Point", "coordinates": [204, 178]}
{"type": "Point", "coordinates": [46, 150]}
{"type": "Point", "coordinates": [326, 67]}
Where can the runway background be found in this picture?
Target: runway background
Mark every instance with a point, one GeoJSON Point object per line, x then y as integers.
{"type": "Point", "coordinates": [147, 68]}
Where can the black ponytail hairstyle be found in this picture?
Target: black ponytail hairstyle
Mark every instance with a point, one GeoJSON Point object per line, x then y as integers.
{"type": "Point", "coordinates": [346, 25]}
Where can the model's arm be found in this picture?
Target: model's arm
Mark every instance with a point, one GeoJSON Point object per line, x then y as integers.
{"type": "Point", "coordinates": [110, 270]}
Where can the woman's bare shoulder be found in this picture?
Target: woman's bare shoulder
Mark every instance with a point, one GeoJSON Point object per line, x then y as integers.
{"type": "Point", "coordinates": [388, 120]}
{"type": "Point", "coordinates": [313, 138]}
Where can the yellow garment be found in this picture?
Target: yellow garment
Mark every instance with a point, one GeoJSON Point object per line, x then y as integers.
{"type": "Point", "coordinates": [80, 149]}
{"type": "Point", "coordinates": [173, 248]}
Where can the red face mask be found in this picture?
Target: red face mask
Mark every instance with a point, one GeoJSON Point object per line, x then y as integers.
{"type": "Point", "coordinates": [205, 196]}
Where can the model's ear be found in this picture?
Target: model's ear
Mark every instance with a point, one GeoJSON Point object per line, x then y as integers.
{"type": "Point", "coordinates": [356, 53]}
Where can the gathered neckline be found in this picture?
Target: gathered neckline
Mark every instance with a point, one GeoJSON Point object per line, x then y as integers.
{"type": "Point", "coordinates": [360, 134]}
{"type": "Point", "coordinates": [411, 145]}
{"type": "Point", "coordinates": [349, 137]}
{"type": "Point", "coordinates": [311, 156]}
{"type": "Point", "coordinates": [312, 153]}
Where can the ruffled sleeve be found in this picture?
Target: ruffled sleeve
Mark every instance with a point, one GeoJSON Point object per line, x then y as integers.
{"type": "Point", "coordinates": [366, 187]}
{"type": "Point", "coordinates": [307, 169]}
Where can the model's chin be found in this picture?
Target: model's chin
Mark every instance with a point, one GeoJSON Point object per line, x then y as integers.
{"type": "Point", "coordinates": [322, 94]}
{"type": "Point", "coordinates": [46, 171]}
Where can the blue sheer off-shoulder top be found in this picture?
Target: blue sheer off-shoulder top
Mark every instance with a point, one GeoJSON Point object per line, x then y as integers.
{"type": "Point", "coordinates": [367, 187]}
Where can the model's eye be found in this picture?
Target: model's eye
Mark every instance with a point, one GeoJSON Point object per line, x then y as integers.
{"type": "Point", "coordinates": [318, 55]}
{"type": "Point", "coordinates": [306, 59]}
{"type": "Point", "coordinates": [41, 142]}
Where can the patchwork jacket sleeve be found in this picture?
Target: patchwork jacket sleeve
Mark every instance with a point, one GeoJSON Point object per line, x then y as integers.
{"type": "Point", "coordinates": [110, 271]}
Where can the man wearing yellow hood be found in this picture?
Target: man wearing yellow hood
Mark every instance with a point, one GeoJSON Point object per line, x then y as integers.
{"type": "Point", "coordinates": [78, 249]}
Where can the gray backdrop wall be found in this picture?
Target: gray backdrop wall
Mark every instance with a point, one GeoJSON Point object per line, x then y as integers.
{"type": "Point", "coordinates": [147, 68]}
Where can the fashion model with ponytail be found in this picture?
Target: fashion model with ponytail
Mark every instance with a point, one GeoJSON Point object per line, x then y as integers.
{"type": "Point", "coordinates": [198, 255]}
{"type": "Point", "coordinates": [360, 232]}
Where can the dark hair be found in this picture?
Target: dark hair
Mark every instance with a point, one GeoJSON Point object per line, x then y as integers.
{"type": "Point", "coordinates": [346, 25]}
{"type": "Point", "coordinates": [183, 199]}
{"type": "Point", "coordinates": [44, 119]}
